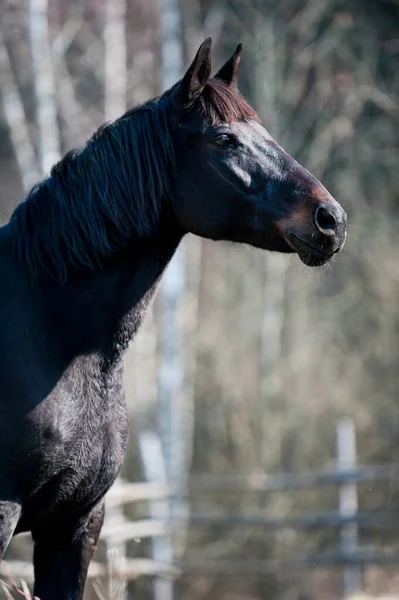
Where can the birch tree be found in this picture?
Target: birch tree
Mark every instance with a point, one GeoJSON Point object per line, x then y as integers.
{"type": "Point", "coordinates": [170, 377]}
{"type": "Point", "coordinates": [115, 80]}
{"type": "Point", "coordinates": [115, 72]}
{"type": "Point", "coordinates": [49, 139]}
{"type": "Point", "coordinates": [15, 115]}
{"type": "Point", "coordinates": [171, 371]}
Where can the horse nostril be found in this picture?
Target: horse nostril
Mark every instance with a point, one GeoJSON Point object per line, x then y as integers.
{"type": "Point", "coordinates": [324, 219]}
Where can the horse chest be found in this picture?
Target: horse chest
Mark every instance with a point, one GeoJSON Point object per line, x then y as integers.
{"type": "Point", "coordinates": [80, 441]}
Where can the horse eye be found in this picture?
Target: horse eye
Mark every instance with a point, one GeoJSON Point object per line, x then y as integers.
{"type": "Point", "coordinates": [225, 140]}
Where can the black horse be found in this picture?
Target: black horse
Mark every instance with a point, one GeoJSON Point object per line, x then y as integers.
{"type": "Point", "coordinates": [81, 259]}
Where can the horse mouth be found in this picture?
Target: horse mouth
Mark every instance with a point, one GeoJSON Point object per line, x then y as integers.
{"type": "Point", "coordinates": [310, 255]}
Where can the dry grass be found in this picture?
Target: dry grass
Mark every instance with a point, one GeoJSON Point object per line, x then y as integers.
{"type": "Point", "coordinates": [362, 596]}
{"type": "Point", "coordinates": [9, 584]}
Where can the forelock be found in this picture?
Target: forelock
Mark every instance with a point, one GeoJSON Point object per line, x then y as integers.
{"type": "Point", "coordinates": [224, 104]}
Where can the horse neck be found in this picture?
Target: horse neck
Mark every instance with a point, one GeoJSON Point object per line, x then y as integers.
{"type": "Point", "coordinates": [99, 313]}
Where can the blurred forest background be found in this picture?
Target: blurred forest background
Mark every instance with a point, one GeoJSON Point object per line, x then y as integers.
{"type": "Point", "coordinates": [271, 354]}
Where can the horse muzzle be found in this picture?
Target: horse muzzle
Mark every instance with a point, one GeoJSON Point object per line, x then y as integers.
{"type": "Point", "coordinates": [318, 244]}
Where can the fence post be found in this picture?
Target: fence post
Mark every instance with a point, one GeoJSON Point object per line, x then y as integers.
{"type": "Point", "coordinates": [155, 470]}
{"type": "Point", "coordinates": [116, 550]}
{"type": "Point", "coordinates": [346, 459]}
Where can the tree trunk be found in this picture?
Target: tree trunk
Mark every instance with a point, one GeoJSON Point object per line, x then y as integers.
{"type": "Point", "coordinates": [49, 142]}
{"type": "Point", "coordinates": [115, 73]}
{"type": "Point", "coordinates": [170, 377]}
{"type": "Point", "coordinates": [15, 115]}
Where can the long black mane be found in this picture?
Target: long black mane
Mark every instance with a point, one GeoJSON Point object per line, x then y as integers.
{"type": "Point", "coordinates": [100, 197]}
{"type": "Point", "coordinates": [103, 196]}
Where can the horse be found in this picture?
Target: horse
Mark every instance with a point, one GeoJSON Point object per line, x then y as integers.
{"type": "Point", "coordinates": [80, 260]}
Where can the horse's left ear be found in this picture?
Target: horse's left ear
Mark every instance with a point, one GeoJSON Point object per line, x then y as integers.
{"type": "Point", "coordinates": [198, 73]}
{"type": "Point", "coordinates": [229, 72]}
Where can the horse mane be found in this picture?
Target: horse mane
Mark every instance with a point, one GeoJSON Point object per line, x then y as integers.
{"type": "Point", "coordinates": [107, 194]}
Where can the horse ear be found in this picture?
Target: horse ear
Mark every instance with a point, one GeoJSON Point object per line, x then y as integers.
{"type": "Point", "coordinates": [198, 73]}
{"type": "Point", "coordinates": [229, 72]}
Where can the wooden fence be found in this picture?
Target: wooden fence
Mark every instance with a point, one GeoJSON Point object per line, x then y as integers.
{"type": "Point", "coordinates": [161, 524]}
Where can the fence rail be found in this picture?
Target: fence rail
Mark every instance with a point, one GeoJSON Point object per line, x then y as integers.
{"type": "Point", "coordinates": [130, 569]}
{"type": "Point", "coordinates": [311, 520]}
{"type": "Point", "coordinates": [134, 492]}
{"type": "Point", "coordinates": [161, 524]}
{"type": "Point", "coordinates": [262, 482]}
{"type": "Point", "coordinates": [126, 493]}
{"type": "Point", "coordinates": [259, 567]}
